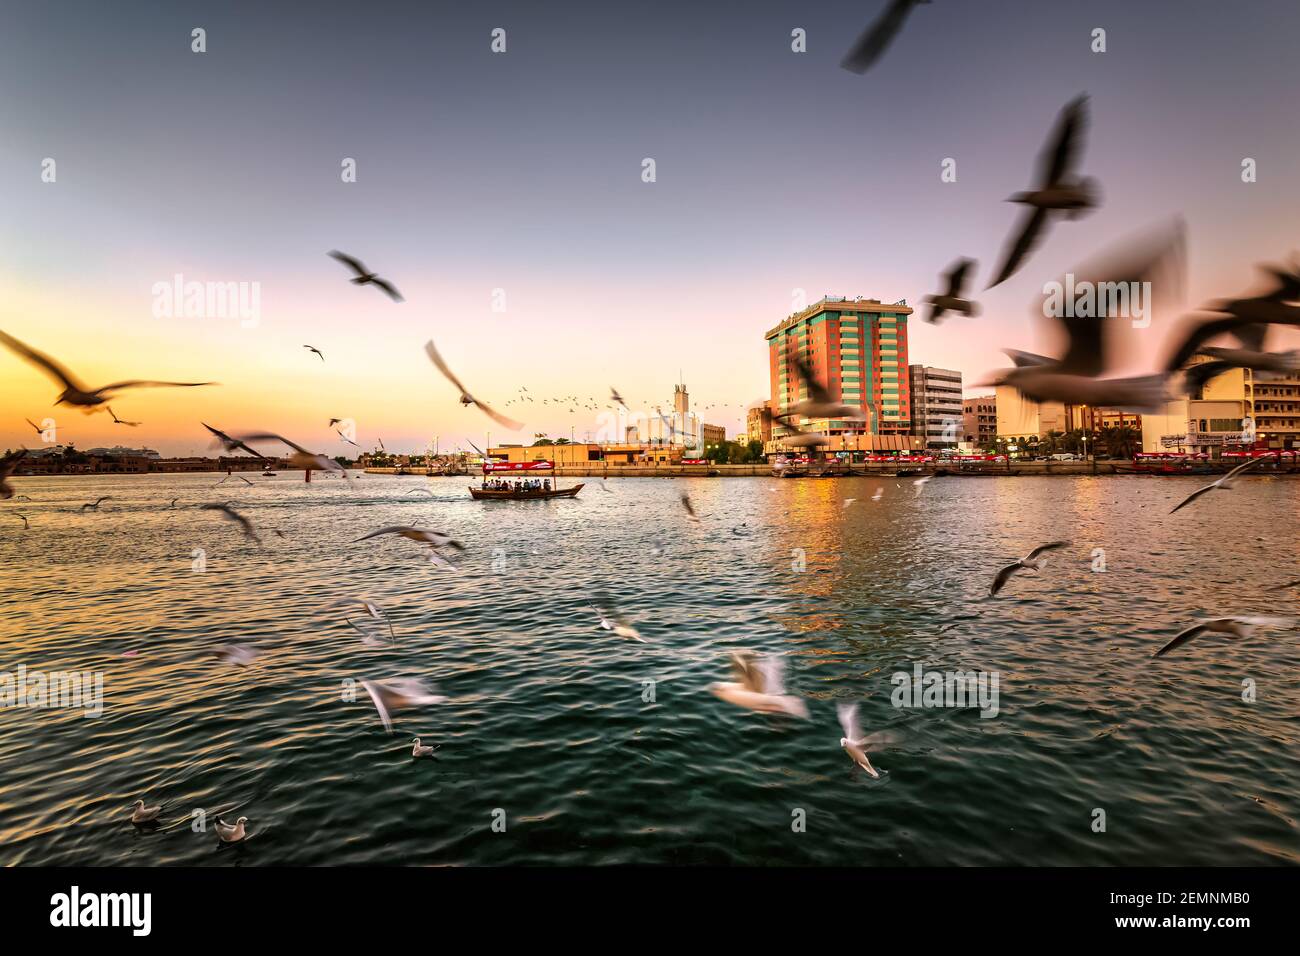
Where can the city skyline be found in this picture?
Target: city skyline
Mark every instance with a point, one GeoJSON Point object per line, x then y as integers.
{"type": "Point", "coordinates": [778, 174]}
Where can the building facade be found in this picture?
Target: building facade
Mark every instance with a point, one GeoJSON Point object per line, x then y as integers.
{"type": "Point", "coordinates": [979, 418]}
{"type": "Point", "coordinates": [1235, 410]}
{"type": "Point", "coordinates": [936, 405]}
{"type": "Point", "coordinates": [857, 350]}
{"type": "Point", "coordinates": [1022, 422]}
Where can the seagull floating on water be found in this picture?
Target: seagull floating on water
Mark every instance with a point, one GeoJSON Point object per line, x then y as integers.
{"type": "Point", "coordinates": [231, 833]}
{"type": "Point", "coordinates": [419, 750]}
{"type": "Point", "coordinates": [143, 814]}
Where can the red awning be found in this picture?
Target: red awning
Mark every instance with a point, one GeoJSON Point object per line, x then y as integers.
{"type": "Point", "coordinates": [518, 465]}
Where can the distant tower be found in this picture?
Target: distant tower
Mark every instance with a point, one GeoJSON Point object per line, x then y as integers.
{"type": "Point", "coordinates": [681, 400]}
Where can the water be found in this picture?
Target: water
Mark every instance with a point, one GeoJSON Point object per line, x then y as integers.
{"type": "Point", "coordinates": [547, 721]}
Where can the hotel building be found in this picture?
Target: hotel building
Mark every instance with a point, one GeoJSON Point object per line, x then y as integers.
{"type": "Point", "coordinates": [1223, 413]}
{"type": "Point", "coordinates": [980, 420]}
{"type": "Point", "coordinates": [857, 350]}
{"type": "Point", "coordinates": [936, 405]}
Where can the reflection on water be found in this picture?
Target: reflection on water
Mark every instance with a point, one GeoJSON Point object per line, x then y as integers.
{"type": "Point", "coordinates": [554, 722]}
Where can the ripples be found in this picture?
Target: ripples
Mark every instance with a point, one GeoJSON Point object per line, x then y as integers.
{"type": "Point", "coordinates": [599, 750]}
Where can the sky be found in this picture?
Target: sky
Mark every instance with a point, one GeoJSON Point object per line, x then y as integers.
{"type": "Point", "coordinates": [521, 171]}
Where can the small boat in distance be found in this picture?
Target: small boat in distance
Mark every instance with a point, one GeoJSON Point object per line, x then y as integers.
{"type": "Point", "coordinates": [509, 491]}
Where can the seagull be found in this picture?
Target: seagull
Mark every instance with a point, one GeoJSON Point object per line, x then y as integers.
{"type": "Point", "coordinates": [301, 457]}
{"type": "Point", "coordinates": [1237, 626]}
{"type": "Point", "coordinates": [1059, 190]}
{"type": "Point", "coordinates": [950, 300]}
{"type": "Point", "coordinates": [880, 493]}
{"type": "Point", "coordinates": [418, 750]}
{"type": "Point", "coordinates": [435, 539]}
{"type": "Point", "coordinates": [614, 396]}
{"type": "Point", "coordinates": [374, 612]}
{"type": "Point", "coordinates": [465, 397]}
{"type": "Point", "coordinates": [118, 421]}
{"type": "Point", "coordinates": [238, 655]}
{"type": "Point", "coordinates": [228, 477]}
{"type": "Point", "coordinates": [819, 404]}
{"type": "Point", "coordinates": [74, 392]}
{"type": "Point", "coordinates": [26, 524]}
{"type": "Point", "coordinates": [690, 509]}
{"type": "Point", "coordinates": [876, 38]}
{"type": "Point", "coordinates": [1223, 484]}
{"type": "Point", "coordinates": [8, 465]}
{"type": "Point", "coordinates": [95, 507]}
{"type": "Point", "coordinates": [920, 483]}
{"type": "Point", "coordinates": [398, 693]}
{"type": "Point", "coordinates": [1030, 562]}
{"type": "Point", "coordinates": [233, 515]}
{"type": "Point", "coordinates": [616, 625]}
{"type": "Point", "coordinates": [849, 501]}
{"type": "Point", "coordinates": [229, 444]}
{"type": "Point", "coordinates": [39, 430]}
{"type": "Point", "coordinates": [854, 744]}
{"type": "Point", "coordinates": [758, 686]}
{"type": "Point", "coordinates": [365, 277]}
{"type": "Point", "coordinates": [143, 814]}
{"type": "Point", "coordinates": [173, 504]}
{"type": "Point", "coordinates": [229, 833]}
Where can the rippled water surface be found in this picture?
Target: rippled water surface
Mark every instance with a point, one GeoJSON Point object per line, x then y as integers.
{"type": "Point", "coordinates": [548, 720]}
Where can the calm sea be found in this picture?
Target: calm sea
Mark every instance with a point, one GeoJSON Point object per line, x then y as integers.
{"type": "Point", "coordinates": [592, 749]}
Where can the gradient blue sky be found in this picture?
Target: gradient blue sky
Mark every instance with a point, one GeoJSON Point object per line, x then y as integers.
{"type": "Point", "coordinates": [522, 171]}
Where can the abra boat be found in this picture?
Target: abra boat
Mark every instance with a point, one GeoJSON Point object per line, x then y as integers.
{"type": "Point", "coordinates": [513, 494]}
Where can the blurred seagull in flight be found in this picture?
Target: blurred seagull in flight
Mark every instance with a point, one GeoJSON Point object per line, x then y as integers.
{"type": "Point", "coordinates": [920, 483]}
{"type": "Point", "coordinates": [74, 392]}
{"type": "Point", "coordinates": [229, 444]}
{"type": "Point", "coordinates": [319, 353]}
{"type": "Point", "coordinates": [690, 509]}
{"type": "Point", "coordinates": [951, 299]}
{"type": "Point", "coordinates": [758, 686]}
{"type": "Point", "coordinates": [1030, 562]}
{"type": "Point", "coordinates": [301, 457]}
{"type": "Point", "coordinates": [873, 41]}
{"type": "Point", "coordinates": [1237, 626]}
{"type": "Point", "coordinates": [612, 622]}
{"type": "Point", "coordinates": [118, 421]}
{"type": "Point", "coordinates": [231, 514]}
{"type": "Point", "coordinates": [435, 539]}
{"type": "Point", "coordinates": [390, 696]}
{"type": "Point", "coordinates": [465, 397]}
{"type": "Point", "coordinates": [1223, 484]}
{"type": "Point", "coordinates": [22, 517]}
{"type": "Point", "coordinates": [237, 655]}
{"type": "Point", "coordinates": [94, 506]}
{"type": "Point", "coordinates": [365, 277]}
{"type": "Point", "coordinates": [854, 744]}
{"type": "Point", "coordinates": [8, 465]}
{"type": "Point", "coordinates": [1059, 191]}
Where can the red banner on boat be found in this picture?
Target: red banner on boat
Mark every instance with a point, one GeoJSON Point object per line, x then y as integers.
{"type": "Point", "coordinates": [695, 461]}
{"type": "Point", "coordinates": [518, 465]}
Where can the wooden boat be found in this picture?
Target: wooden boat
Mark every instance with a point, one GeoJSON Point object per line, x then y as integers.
{"type": "Point", "coordinates": [509, 494]}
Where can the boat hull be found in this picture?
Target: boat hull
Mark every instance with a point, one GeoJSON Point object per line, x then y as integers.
{"type": "Point", "coordinates": [496, 494]}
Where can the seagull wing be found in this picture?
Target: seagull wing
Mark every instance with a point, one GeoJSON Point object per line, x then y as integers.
{"type": "Point", "coordinates": [848, 715]}
{"type": "Point", "coordinates": [1031, 227]}
{"type": "Point", "coordinates": [272, 436]}
{"type": "Point", "coordinates": [1003, 577]}
{"type": "Point", "coordinates": [772, 670]}
{"type": "Point", "coordinates": [742, 665]}
{"type": "Point", "coordinates": [390, 289]}
{"type": "Point", "coordinates": [1061, 153]}
{"type": "Point", "coordinates": [391, 529]}
{"type": "Point", "coordinates": [352, 263]}
{"type": "Point", "coordinates": [1242, 467]}
{"type": "Point", "coordinates": [378, 696]}
{"type": "Point", "coordinates": [1194, 495]}
{"type": "Point", "coordinates": [497, 417]}
{"type": "Point", "coordinates": [1046, 547]}
{"type": "Point", "coordinates": [1182, 638]}
{"type": "Point", "coordinates": [876, 38]}
{"type": "Point", "coordinates": [816, 390]}
{"type": "Point", "coordinates": [957, 277]}
{"type": "Point", "coordinates": [43, 360]}
{"type": "Point", "coordinates": [150, 383]}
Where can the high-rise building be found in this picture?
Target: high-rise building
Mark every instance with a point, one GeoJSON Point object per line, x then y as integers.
{"type": "Point", "coordinates": [980, 420]}
{"type": "Point", "coordinates": [936, 405]}
{"type": "Point", "coordinates": [857, 350]}
{"type": "Point", "coordinates": [758, 427]}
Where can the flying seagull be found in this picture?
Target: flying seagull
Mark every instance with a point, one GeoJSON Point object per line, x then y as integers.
{"type": "Point", "coordinates": [611, 621]}
{"type": "Point", "coordinates": [1030, 562]}
{"type": "Point", "coordinates": [118, 421]}
{"type": "Point", "coordinates": [396, 694]}
{"type": "Point", "coordinates": [758, 686]}
{"type": "Point", "coordinates": [1237, 626]}
{"type": "Point", "coordinates": [465, 397]}
{"type": "Point", "coordinates": [1223, 484]}
{"type": "Point", "coordinates": [873, 41]}
{"type": "Point", "coordinates": [614, 396]}
{"type": "Point", "coordinates": [1247, 320]}
{"type": "Point", "coordinates": [74, 392]}
{"type": "Point", "coordinates": [301, 457]}
{"type": "Point", "coordinates": [951, 299]}
{"type": "Point", "coordinates": [1060, 191]}
{"type": "Point", "coordinates": [374, 612]}
{"type": "Point", "coordinates": [854, 744]}
{"type": "Point", "coordinates": [364, 276]}
{"type": "Point", "coordinates": [8, 465]}
{"type": "Point", "coordinates": [319, 353]}
{"type": "Point", "coordinates": [26, 524]}
{"type": "Point", "coordinates": [424, 535]}
{"type": "Point", "coordinates": [238, 655]}
{"type": "Point", "coordinates": [229, 444]}
{"type": "Point", "coordinates": [88, 506]}
{"type": "Point", "coordinates": [819, 404]}
{"type": "Point", "coordinates": [690, 509]}
{"type": "Point", "coordinates": [231, 514]}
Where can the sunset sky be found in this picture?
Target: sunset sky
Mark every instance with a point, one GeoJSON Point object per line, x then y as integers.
{"type": "Point", "coordinates": [522, 171]}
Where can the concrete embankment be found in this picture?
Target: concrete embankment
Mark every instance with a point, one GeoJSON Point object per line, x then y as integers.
{"type": "Point", "coordinates": [991, 469]}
